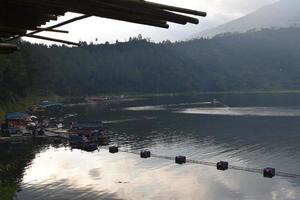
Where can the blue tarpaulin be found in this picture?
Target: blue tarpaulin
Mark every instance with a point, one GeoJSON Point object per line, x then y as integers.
{"type": "Point", "coordinates": [76, 139]}
{"type": "Point", "coordinates": [16, 116]}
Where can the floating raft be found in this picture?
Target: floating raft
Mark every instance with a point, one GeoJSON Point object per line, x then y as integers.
{"type": "Point", "coordinates": [21, 138]}
{"type": "Point", "coordinates": [54, 132]}
{"type": "Point", "coordinates": [48, 133]}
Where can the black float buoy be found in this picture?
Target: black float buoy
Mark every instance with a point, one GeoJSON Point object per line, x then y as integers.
{"type": "Point", "coordinates": [222, 165]}
{"type": "Point", "coordinates": [145, 154]}
{"type": "Point", "coordinates": [180, 160]}
{"type": "Point", "coordinates": [113, 149]}
{"type": "Point", "coordinates": [90, 147]}
{"type": "Point", "coordinates": [269, 172]}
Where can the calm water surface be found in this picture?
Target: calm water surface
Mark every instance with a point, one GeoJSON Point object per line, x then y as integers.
{"type": "Point", "coordinates": [252, 131]}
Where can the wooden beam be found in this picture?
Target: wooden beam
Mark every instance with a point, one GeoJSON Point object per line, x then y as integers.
{"type": "Point", "coordinates": [31, 14]}
{"type": "Point", "coordinates": [100, 12]}
{"type": "Point", "coordinates": [51, 30]}
{"type": "Point", "coordinates": [144, 11]}
{"type": "Point", "coordinates": [158, 6]}
{"type": "Point", "coordinates": [12, 30]}
{"type": "Point", "coordinates": [53, 27]}
{"type": "Point", "coordinates": [8, 48]}
{"type": "Point", "coordinates": [133, 15]}
{"type": "Point", "coordinates": [51, 39]}
{"type": "Point", "coordinates": [177, 9]}
{"type": "Point", "coordinates": [23, 17]}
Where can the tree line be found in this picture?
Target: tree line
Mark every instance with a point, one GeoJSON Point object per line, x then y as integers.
{"type": "Point", "coordinates": [256, 60]}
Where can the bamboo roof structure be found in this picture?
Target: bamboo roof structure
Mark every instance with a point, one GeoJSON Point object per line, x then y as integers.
{"type": "Point", "coordinates": [19, 17]}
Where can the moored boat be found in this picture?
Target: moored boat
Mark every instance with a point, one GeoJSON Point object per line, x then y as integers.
{"type": "Point", "coordinates": [90, 131]}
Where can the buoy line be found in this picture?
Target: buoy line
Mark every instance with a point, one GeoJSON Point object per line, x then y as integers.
{"type": "Point", "coordinates": [206, 163]}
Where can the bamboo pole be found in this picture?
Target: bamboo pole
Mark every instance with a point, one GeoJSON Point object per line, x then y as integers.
{"type": "Point", "coordinates": [51, 30]}
{"type": "Point", "coordinates": [159, 6]}
{"type": "Point", "coordinates": [136, 11]}
{"type": "Point", "coordinates": [108, 10]}
{"type": "Point", "coordinates": [54, 26]}
{"type": "Point", "coordinates": [51, 39]}
{"type": "Point", "coordinates": [8, 48]}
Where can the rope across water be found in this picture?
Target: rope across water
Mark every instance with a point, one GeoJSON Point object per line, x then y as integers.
{"type": "Point", "coordinates": [213, 164]}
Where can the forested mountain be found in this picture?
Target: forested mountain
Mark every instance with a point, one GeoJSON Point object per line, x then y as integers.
{"type": "Point", "coordinates": [281, 14]}
{"type": "Point", "coordinates": [268, 59]}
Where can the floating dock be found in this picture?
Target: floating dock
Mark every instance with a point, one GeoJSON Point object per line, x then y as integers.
{"type": "Point", "coordinates": [54, 132]}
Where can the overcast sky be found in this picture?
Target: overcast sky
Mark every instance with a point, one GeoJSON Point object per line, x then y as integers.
{"type": "Point", "coordinates": [219, 12]}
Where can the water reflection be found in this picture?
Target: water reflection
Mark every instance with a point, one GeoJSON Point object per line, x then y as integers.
{"type": "Point", "coordinates": [123, 176]}
{"type": "Point", "coordinates": [14, 158]}
{"type": "Point", "coordinates": [248, 139]}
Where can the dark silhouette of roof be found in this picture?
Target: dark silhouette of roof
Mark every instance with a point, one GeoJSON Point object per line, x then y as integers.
{"type": "Point", "coordinates": [19, 16]}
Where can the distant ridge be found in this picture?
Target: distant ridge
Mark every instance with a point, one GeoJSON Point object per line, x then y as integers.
{"type": "Point", "coordinates": [281, 14]}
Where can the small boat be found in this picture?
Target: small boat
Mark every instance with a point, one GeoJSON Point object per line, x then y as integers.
{"type": "Point", "coordinates": [90, 131]}
{"type": "Point", "coordinates": [78, 142]}
{"type": "Point", "coordinates": [86, 125]}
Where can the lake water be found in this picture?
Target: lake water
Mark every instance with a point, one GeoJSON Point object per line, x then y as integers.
{"type": "Point", "coordinates": [253, 131]}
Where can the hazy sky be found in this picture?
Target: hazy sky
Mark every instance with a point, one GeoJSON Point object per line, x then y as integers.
{"type": "Point", "coordinates": [219, 12]}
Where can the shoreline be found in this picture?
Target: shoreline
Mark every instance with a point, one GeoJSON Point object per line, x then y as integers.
{"type": "Point", "coordinates": [22, 104]}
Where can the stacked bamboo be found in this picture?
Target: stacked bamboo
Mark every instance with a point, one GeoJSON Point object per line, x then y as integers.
{"type": "Point", "coordinates": [18, 16]}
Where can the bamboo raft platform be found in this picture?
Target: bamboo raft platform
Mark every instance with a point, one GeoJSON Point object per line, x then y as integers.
{"type": "Point", "coordinates": [54, 132]}
{"type": "Point", "coordinates": [24, 138]}
{"type": "Point", "coordinates": [48, 133]}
